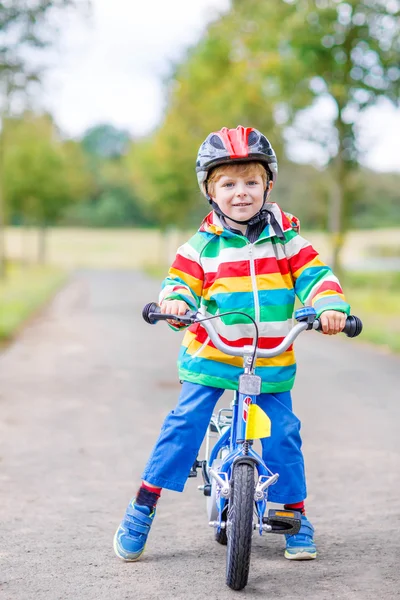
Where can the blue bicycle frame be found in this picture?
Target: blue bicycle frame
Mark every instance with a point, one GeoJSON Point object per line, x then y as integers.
{"type": "Point", "coordinates": [236, 437]}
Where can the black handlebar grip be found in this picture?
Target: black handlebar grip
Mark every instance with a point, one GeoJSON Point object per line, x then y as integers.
{"type": "Point", "coordinates": [152, 307]}
{"type": "Point", "coordinates": [353, 326]}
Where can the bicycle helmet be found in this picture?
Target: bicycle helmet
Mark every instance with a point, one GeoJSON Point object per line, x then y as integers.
{"type": "Point", "coordinates": [230, 146]}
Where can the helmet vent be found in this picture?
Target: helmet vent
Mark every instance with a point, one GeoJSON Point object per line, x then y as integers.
{"type": "Point", "coordinates": [253, 138]}
{"type": "Point", "coordinates": [265, 145]}
{"type": "Point", "coordinates": [216, 142]}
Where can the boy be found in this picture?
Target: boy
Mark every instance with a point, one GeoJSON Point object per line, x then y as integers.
{"type": "Point", "coordinates": [246, 256]}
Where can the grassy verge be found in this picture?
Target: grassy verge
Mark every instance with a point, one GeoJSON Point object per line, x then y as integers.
{"type": "Point", "coordinates": [374, 297]}
{"type": "Point", "coordinates": [23, 292]}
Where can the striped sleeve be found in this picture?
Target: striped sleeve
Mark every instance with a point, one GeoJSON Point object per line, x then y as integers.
{"type": "Point", "coordinates": [314, 282]}
{"type": "Point", "coordinates": [185, 279]}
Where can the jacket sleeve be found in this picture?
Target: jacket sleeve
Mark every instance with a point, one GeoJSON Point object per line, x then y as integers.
{"type": "Point", "coordinates": [184, 280]}
{"type": "Point", "coordinates": [314, 282]}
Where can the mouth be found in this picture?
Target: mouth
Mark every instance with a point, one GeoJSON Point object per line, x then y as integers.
{"type": "Point", "coordinates": [242, 204]}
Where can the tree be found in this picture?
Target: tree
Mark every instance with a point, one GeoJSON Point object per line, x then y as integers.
{"type": "Point", "coordinates": [42, 175]}
{"type": "Point", "coordinates": [105, 141]}
{"type": "Point", "coordinates": [113, 201]}
{"type": "Point", "coordinates": [23, 26]}
{"type": "Point", "coordinates": [345, 52]}
{"type": "Point", "coordinates": [266, 64]}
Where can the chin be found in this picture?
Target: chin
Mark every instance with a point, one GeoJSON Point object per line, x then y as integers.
{"type": "Point", "coordinates": [241, 216]}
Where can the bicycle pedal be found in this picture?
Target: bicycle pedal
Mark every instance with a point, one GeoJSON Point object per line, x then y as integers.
{"type": "Point", "coordinates": [196, 465]}
{"type": "Point", "coordinates": [283, 521]}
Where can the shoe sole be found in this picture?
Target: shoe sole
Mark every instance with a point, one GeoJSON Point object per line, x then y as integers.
{"type": "Point", "coordinates": [300, 555]}
{"type": "Point", "coordinates": [118, 553]}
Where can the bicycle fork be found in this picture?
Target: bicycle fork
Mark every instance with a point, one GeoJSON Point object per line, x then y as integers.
{"type": "Point", "coordinates": [223, 493]}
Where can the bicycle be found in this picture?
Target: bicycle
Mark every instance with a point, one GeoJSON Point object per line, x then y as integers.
{"type": "Point", "coordinates": [234, 495]}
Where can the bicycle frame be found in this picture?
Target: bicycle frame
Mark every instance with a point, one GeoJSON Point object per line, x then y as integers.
{"type": "Point", "coordinates": [240, 450]}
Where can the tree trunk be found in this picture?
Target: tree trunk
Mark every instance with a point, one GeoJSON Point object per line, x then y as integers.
{"type": "Point", "coordinates": [42, 244]}
{"type": "Point", "coordinates": [2, 210]}
{"type": "Point", "coordinates": [2, 239]}
{"type": "Point", "coordinates": [336, 224]}
{"type": "Point", "coordinates": [340, 208]}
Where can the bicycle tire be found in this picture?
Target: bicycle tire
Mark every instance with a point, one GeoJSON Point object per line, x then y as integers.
{"type": "Point", "coordinates": [240, 526]}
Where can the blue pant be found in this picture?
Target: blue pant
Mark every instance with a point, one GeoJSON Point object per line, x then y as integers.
{"type": "Point", "coordinates": [184, 428]}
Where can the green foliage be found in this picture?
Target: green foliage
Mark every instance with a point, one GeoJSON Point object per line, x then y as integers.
{"type": "Point", "coordinates": [377, 204]}
{"type": "Point", "coordinates": [105, 141]}
{"type": "Point", "coordinates": [375, 298]}
{"type": "Point", "coordinates": [114, 207]}
{"type": "Point", "coordinates": [24, 27]}
{"type": "Point", "coordinates": [113, 201]}
{"type": "Point", "coordinates": [41, 174]}
{"type": "Point", "coordinates": [25, 291]}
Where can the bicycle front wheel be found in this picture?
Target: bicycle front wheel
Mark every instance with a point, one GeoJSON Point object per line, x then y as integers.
{"type": "Point", "coordinates": [240, 526]}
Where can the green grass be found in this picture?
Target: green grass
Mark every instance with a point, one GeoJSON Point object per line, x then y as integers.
{"type": "Point", "coordinates": [375, 298]}
{"type": "Point", "coordinates": [23, 292]}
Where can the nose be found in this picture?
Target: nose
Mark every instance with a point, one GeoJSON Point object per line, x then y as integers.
{"type": "Point", "coordinates": [241, 189]}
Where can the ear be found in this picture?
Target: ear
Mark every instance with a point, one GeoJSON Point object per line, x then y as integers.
{"type": "Point", "coordinates": [271, 185]}
{"type": "Point", "coordinates": [206, 192]}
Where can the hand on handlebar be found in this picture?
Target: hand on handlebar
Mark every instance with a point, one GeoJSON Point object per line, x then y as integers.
{"type": "Point", "coordinates": [174, 307]}
{"type": "Point", "coordinates": [332, 322]}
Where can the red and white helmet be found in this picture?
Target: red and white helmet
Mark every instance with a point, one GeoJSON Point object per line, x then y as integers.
{"type": "Point", "coordinates": [228, 146]}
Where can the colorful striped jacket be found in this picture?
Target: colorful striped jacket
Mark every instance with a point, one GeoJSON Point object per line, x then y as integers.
{"type": "Point", "coordinates": [218, 271]}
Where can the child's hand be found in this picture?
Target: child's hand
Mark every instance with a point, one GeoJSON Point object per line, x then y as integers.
{"type": "Point", "coordinates": [174, 307]}
{"type": "Point", "coordinates": [332, 321]}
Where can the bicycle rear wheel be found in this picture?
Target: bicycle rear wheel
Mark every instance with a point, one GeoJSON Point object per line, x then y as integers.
{"type": "Point", "coordinates": [240, 526]}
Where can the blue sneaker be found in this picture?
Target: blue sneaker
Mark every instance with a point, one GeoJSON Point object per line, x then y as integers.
{"type": "Point", "coordinates": [131, 536]}
{"type": "Point", "coordinates": [301, 545]}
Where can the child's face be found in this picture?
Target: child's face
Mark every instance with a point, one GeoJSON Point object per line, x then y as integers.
{"type": "Point", "coordinates": [239, 197]}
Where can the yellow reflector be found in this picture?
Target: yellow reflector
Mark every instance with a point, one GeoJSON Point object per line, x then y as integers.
{"type": "Point", "coordinates": [258, 423]}
{"type": "Point", "coordinates": [284, 514]}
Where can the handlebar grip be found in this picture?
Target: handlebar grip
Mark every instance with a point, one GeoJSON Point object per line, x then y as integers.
{"type": "Point", "coordinates": [148, 313]}
{"type": "Point", "coordinates": [151, 313]}
{"type": "Point", "coordinates": [353, 326]}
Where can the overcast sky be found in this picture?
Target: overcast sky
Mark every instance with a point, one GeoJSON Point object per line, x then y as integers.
{"type": "Point", "coordinates": [110, 67]}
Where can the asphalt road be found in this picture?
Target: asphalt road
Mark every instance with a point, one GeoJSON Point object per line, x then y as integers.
{"type": "Point", "coordinates": [83, 393]}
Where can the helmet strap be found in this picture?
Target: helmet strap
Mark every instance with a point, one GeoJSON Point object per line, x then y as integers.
{"type": "Point", "coordinates": [263, 213]}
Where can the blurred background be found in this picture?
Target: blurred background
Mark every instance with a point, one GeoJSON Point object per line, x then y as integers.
{"type": "Point", "coordinates": [103, 106]}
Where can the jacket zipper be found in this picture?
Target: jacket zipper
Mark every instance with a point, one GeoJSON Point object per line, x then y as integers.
{"type": "Point", "coordinates": [254, 284]}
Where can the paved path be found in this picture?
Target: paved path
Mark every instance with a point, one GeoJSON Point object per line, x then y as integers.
{"type": "Point", "coordinates": [83, 393]}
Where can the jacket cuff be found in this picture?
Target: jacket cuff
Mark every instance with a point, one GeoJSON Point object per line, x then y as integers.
{"type": "Point", "coordinates": [329, 304]}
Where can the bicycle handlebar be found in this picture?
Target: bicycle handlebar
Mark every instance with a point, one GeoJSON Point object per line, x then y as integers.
{"type": "Point", "coordinates": [151, 314]}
